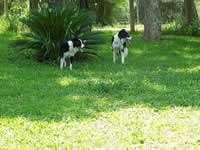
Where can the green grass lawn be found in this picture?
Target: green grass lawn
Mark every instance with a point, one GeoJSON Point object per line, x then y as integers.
{"type": "Point", "coordinates": [152, 102]}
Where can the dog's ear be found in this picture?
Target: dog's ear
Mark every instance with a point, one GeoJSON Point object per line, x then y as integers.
{"type": "Point", "coordinates": [123, 34]}
{"type": "Point", "coordinates": [76, 42]}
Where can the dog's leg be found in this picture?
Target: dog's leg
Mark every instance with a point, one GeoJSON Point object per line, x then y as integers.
{"type": "Point", "coordinates": [125, 52]}
{"type": "Point", "coordinates": [122, 56]}
{"type": "Point", "coordinates": [114, 55]}
{"type": "Point", "coordinates": [71, 61]}
{"type": "Point", "coordinates": [65, 64]}
{"type": "Point", "coordinates": [61, 62]}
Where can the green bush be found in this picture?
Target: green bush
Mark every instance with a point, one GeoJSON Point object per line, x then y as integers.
{"type": "Point", "coordinates": [17, 11]}
{"type": "Point", "coordinates": [182, 28]}
{"type": "Point", "coordinates": [192, 29]}
{"type": "Point", "coordinates": [49, 27]}
{"type": "Point", "coordinates": [11, 22]}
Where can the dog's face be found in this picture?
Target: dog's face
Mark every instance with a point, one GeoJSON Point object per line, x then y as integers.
{"type": "Point", "coordinates": [78, 43]}
{"type": "Point", "coordinates": [123, 34]}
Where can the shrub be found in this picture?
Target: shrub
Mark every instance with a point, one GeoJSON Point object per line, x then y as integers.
{"type": "Point", "coordinates": [181, 28]}
{"type": "Point", "coordinates": [49, 27]}
{"type": "Point", "coordinates": [17, 11]}
{"type": "Point", "coordinates": [192, 29]}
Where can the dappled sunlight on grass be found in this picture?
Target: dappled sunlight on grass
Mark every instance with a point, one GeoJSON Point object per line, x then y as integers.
{"type": "Point", "coordinates": [188, 54]}
{"type": "Point", "coordinates": [5, 77]}
{"type": "Point", "coordinates": [155, 86]}
{"type": "Point", "coordinates": [138, 126]}
{"type": "Point", "coordinates": [151, 101]}
{"type": "Point", "coordinates": [76, 97]}
{"type": "Point", "coordinates": [192, 69]}
{"type": "Point", "coordinates": [191, 56]}
{"type": "Point", "coordinates": [136, 52]}
{"type": "Point", "coordinates": [66, 81]}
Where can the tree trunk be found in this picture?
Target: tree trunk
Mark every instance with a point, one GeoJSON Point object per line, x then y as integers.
{"type": "Point", "coordinates": [138, 12]}
{"type": "Point", "coordinates": [152, 20]}
{"type": "Point", "coordinates": [189, 11]}
{"type": "Point", "coordinates": [100, 12]}
{"type": "Point", "coordinates": [1, 7]}
{"type": "Point", "coordinates": [68, 4]}
{"type": "Point", "coordinates": [56, 3]}
{"type": "Point", "coordinates": [141, 7]}
{"type": "Point", "coordinates": [83, 4]}
{"type": "Point", "coordinates": [6, 8]}
{"type": "Point", "coordinates": [33, 4]}
{"type": "Point", "coordinates": [132, 15]}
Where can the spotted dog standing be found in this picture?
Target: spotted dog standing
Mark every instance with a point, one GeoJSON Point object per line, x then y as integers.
{"type": "Point", "coordinates": [119, 45]}
{"type": "Point", "coordinates": [69, 49]}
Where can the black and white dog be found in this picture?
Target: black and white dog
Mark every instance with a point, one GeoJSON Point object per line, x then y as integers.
{"type": "Point", "coordinates": [68, 49]}
{"type": "Point", "coordinates": [119, 45]}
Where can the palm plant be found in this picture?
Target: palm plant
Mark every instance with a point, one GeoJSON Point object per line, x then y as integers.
{"type": "Point", "coordinates": [49, 27]}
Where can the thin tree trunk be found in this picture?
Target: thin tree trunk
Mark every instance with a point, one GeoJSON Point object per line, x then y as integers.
{"type": "Point", "coordinates": [141, 7]}
{"type": "Point", "coordinates": [33, 4]}
{"type": "Point", "coordinates": [189, 11]}
{"type": "Point", "coordinates": [152, 20]}
{"type": "Point", "coordinates": [6, 8]}
{"type": "Point", "coordinates": [138, 12]}
{"type": "Point", "coordinates": [56, 3]}
{"type": "Point", "coordinates": [100, 12]}
{"type": "Point", "coordinates": [83, 4]}
{"type": "Point", "coordinates": [1, 7]}
{"type": "Point", "coordinates": [132, 15]}
{"type": "Point", "coordinates": [68, 4]}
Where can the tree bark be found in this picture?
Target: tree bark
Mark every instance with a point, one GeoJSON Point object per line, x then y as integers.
{"type": "Point", "coordinates": [132, 15]}
{"type": "Point", "coordinates": [141, 7]}
{"type": "Point", "coordinates": [1, 7]}
{"type": "Point", "coordinates": [6, 8]}
{"type": "Point", "coordinates": [152, 20]}
{"type": "Point", "coordinates": [33, 4]}
{"type": "Point", "coordinates": [138, 11]}
{"type": "Point", "coordinates": [83, 4]}
{"type": "Point", "coordinates": [100, 12]}
{"type": "Point", "coordinates": [68, 4]}
{"type": "Point", "coordinates": [56, 3]}
{"type": "Point", "coordinates": [189, 11]}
